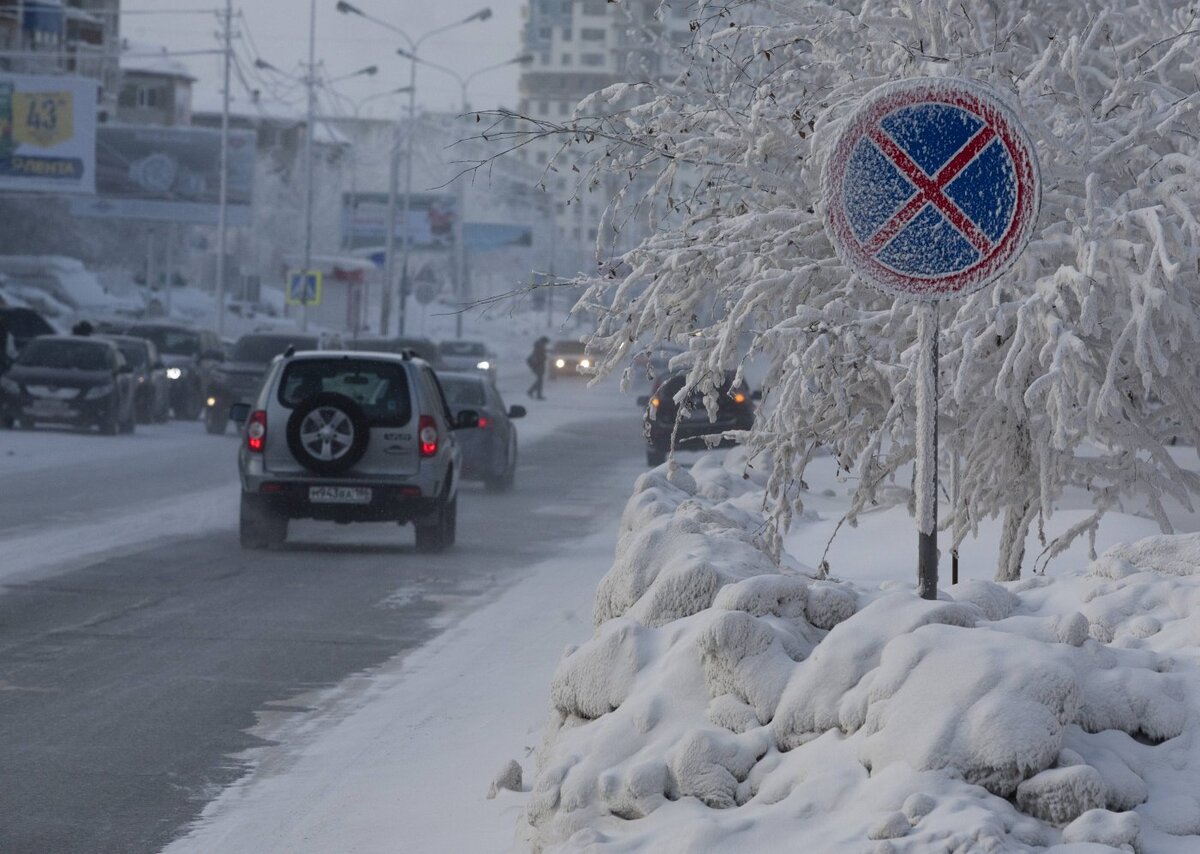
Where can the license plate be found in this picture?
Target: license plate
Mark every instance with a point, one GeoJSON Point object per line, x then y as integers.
{"type": "Point", "coordinates": [339, 494]}
{"type": "Point", "coordinates": [50, 407]}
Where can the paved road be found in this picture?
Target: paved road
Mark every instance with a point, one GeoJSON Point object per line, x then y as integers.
{"type": "Point", "coordinates": [127, 686]}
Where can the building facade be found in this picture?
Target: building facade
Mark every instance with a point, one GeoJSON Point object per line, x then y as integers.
{"type": "Point", "coordinates": [579, 47]}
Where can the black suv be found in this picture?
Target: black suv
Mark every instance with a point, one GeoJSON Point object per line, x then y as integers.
{"type": "Point", "coordinates": [190, 355]}
{"type": "Point", "coordinates": [238, 380]}
{"type": "Point", "coordinates": [735, 411]}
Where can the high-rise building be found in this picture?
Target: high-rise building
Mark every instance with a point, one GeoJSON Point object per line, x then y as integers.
{"type": "Point", "coordinates": [579, 47]}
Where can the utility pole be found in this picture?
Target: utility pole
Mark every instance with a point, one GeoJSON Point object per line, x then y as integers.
{"type": "Point", "coordinates": [223, 200]}
{"type": "Point", "coordinates": [311, 82]}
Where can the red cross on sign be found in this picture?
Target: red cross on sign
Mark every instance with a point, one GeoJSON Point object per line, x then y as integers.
{"type": "Point", "coordinates": [932, 189]}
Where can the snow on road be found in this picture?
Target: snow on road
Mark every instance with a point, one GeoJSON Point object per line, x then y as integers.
{"type": "Point", "coordinates": [400, 759]}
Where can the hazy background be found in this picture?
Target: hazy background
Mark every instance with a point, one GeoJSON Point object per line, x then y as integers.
{"type": "Point", "coordinates": [277, 31]}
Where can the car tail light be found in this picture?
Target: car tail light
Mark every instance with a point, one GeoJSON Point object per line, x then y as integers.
{"type": "Point", "coordinates": [483, 423]}
{"type": "Point", "coordinates": [654, 402]}
{"type": "Point", "coordinates": [256, 431]}
{"type": "Point", "coordinates": [427, 434]}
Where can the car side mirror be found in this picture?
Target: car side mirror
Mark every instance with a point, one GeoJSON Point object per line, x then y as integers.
{"type": "Point", "coordinates": [516, 412]}
{"type": "Point", "coordinates": [239, 412]}
{"type": "Point", "coordinates": [756, 394]}
{"type": "Point", "coordinates": [466, 419]}
{"type": "Point", "coordinates": [643, 401]}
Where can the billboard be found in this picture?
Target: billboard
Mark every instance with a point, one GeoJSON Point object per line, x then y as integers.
{"type": "Point", "coordinates": [47, 134]}
{"type": "Point", "coordinates": [170, 174]}
{"type": "Point", "coordinates": [431, 220]}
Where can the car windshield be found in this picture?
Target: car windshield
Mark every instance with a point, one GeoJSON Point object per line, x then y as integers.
{"type": "Point", "coordinates": [261, 349]}
{"type": "Point", "coordinates": [462, 348]}
{"type": "Point", "coordinates": [463, 392]}
{"type": "Point", "coordinates": [23, 323]}
{"type": "Point", "coordinates": [569, 347]}
{"type": "Point", "coordinates": [380, 388]}
{"type": "Point", "coordinates": [134, 353]}
{"type": "Point", "coordinates": [175, 342]}
{"type": "Point", "coordinates": [57, 353]}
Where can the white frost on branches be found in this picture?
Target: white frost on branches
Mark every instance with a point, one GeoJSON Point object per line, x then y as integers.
{"type": "Point", "coordinates": [1074, 370]}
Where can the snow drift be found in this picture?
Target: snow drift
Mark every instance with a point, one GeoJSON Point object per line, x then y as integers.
{"type": "Point", "coordinates": [725, 701]}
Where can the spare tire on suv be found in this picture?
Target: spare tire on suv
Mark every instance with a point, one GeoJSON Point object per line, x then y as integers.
{"type": "Point", "coordinates": [328, 433]}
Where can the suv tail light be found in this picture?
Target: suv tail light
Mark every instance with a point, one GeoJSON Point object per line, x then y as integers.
{"type": "Point", "coordinates": [256, 431]}
{"type": "Point", "coordinates": [427, 434]}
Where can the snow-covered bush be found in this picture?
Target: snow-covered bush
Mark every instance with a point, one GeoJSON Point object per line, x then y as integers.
{"type": "Point", "coordinates": [780, 706]}
{"type": "Point", "coordinates": [1072, 370]}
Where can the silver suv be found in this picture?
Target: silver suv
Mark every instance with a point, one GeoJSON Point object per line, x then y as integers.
{"type": "Point", "coordinates": [350, 437]}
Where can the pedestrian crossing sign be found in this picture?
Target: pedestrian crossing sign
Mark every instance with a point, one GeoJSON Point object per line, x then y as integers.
{"type": "Point", "coordinates": [304, 287]}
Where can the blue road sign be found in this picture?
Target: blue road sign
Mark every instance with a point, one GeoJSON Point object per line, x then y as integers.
{"type": "Point", "coordinates": [932, 189]}
{"type": "Point", "coordinates": [304, 288]}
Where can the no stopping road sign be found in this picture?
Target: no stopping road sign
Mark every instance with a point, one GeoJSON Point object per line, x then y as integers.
{"type": "Point", "coordinates": [932, 189]}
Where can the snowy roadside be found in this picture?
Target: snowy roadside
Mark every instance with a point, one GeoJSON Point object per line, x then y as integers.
{"type": "Point", "coordinates": [722, 704]}
{"type": "Point", "coordinates": [61, 549]}
{"type": "Point", "coordinates": [399, 759]}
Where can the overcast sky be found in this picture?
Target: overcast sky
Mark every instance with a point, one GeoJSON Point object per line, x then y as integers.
{"type": "Point", "coordinates": [277, 31]}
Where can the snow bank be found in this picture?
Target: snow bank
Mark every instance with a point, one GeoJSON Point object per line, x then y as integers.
{"type": "Point", "coordinates": [725, 701]}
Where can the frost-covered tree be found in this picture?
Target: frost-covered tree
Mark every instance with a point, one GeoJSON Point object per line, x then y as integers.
{"type": "Point", "coordinates": [1073, 370]}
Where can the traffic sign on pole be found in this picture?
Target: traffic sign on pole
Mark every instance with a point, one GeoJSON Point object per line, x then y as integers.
{"type": "Point", "coordinates": [931, 191]}
{"type": "Point", "coordinates": [304, 287]}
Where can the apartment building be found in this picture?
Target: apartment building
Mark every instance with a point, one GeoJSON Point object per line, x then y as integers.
{"type": "Point", "coordinates": [579, 47]}
{"type": "Point", "coordinates": [63, 37]}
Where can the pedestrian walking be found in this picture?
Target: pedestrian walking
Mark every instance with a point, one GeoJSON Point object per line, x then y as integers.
{"type": "Point", "coordinates": [537, 364]}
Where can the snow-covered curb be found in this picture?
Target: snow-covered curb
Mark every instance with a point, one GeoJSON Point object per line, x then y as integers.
{"type": "Point", "coordinates": [724, 703]}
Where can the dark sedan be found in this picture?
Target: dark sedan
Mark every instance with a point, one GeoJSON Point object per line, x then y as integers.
{"type": "Point", "coordinates": [63, 379]}
{"type": "Point", "coordinates": [190, 355]}
{"type": "Point", "coordinates": [152, 389]}
{"type": "Point", "coordinates": [663, 418]}
{"type": "Point", "coordinates": [489, 453]}
{"type": "Point", "coordinates": [238, 379]}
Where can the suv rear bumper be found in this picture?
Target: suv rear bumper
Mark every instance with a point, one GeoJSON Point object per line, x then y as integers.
{"type": "Point", "coordinates": [389, 502]}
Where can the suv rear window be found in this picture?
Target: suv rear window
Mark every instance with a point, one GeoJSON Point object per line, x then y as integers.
{"type": "Point", "coordinates": [380, 388]}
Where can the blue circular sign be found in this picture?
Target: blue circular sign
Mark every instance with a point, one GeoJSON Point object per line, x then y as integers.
{"type": "Point", "coordinates": [932, 189]}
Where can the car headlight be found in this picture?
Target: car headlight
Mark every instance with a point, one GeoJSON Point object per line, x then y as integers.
{"type": "Point", "coordinates": [10, 386]}
{"type": "Point", "coordinates": [98, 391]}
{"type": "Point", "coordinates": [560, 363]}
{"type": "Point", "coordinates": [485, 365]}
{"type": "Point", "coordinates": [585, 363]}
{"type": "Point", "coordinates": [174, 373]}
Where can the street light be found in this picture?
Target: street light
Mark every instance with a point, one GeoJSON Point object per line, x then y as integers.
{"type": "Point", "coordinates": [414, 46]}
{"type": "Point", "coordinates": [460, 249]}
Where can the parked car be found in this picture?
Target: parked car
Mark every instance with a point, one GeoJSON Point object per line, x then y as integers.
{"type": "Point", "coordinates": [459, 355]}
{"type": "Point", "coordinates": [489, 452]}
{"type": "Point", "coordinates": [566, 357]}
{"type": "Point", "coordinates": [24, 324]}
{"type": "Point", "coordinates": [347, 437]}
{"type": "Point", "coordinates": [422, 348]}
{"type": "Point", "coordinates": [238, 379]}
{"type": "Point", "coordinates": [152, 389]}
{"type": "Point", "coordinates": [662, 418]}
{"type": "Point", "coordinates": [65, 379]}
{"type": "Point", "coordinates": [190, 356]}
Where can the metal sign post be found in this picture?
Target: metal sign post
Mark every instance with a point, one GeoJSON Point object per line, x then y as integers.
{"type": "Point", "coordinates": [931, 192]}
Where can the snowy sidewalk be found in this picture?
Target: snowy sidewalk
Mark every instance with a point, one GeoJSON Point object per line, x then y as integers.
{"type": "Point", "coordinates": [407, 764]}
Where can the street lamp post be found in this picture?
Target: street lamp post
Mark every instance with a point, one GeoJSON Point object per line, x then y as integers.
{"type": "Point", "coordinates": [460, 248]}
{"type": "Point", "coordinates": [412, 52]}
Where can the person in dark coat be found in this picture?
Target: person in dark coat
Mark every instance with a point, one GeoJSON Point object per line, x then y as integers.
{"type": "Point", "coordinates": [537, 364]}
